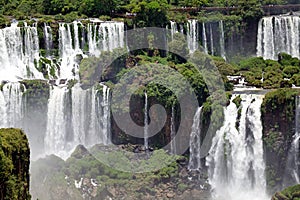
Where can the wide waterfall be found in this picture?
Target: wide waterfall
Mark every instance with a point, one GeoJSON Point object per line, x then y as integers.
{"type": "Point", "coordinates": [19, 52]}
{"type": "Point", "coordinates": [278, 34]}
{"type": "Point", "coordinates": [235, 161]}
{"type": "Point", "coordinates": [22, 54]}
{"type": "Point", "coordinates": [292, 175]}
{"type": "Point", "coordinates": [75, 117]}
{"type": "Point", "coordinates": [195, 142]}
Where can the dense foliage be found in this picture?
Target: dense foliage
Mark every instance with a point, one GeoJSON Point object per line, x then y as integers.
{"type": "Point", "coordinates": [14, 165]}
{"type": "Point", "coordinates": [148, 13]}
{"type": "Point", "coordinates": [88, 165]}
{"type": "Point", "coordinates": [278, 117]}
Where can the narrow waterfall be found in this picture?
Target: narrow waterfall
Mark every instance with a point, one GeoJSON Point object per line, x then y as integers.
{"type": "Point", "coordinates": [195, 142]}
{"type": "Point", "coordinates": [278, 34]}
{"type": "Point", "coordinates": [173, 29]}
{"type": "Point", "coordinates": [146, 142]}
{"type": "Point", "coordinates": [204, 38]}
{"type": "Point", "coordinates": [192, 35]}
{"type": "Point", "coordinates": [235, 161]}
{"type": "Point", "coordinates": [222, 40]}
{"type": "Point", "coordinates": [292, 175]}
{"type": "Point", "coordinates": [19, 51]}
{"type": "Point", "coordinates": [11, 105]}
{"type": "Point", "coordinates": [56, 124]}
{"type": "Point", "coordinates": [212, 51]}
{"type": "Point", "coordinates": [48, 39]}
{"type": "Point", "coordinates": [173, 132]}
{"type": "Point", "coordinates": [105, 117]}
{"type": "Point", "coordinates": [75, 117]}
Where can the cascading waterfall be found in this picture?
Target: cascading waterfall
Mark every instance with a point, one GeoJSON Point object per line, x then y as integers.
{"type": "Point", "coordinates": [192, 35]}
{"type": "Point", "coordinates": [235, 161]}
{"type": "Point", "coordinates": [195, 142]}
{"type": "Point", "coordinates": [173, 132]}
{"type": "Point", "coordinates": [11, 105]}
{"type": "Point", "coordinates": [146, 142]}
{"type": "Point", "coordinates": [84, 119]}
{"type": "Point", "coordinates": [222, 40]}
{"type": "Point", "coordinates": [292, 175]}
{"type": "Point", "coordinates": [19, 50]}
{"type": "Point", "coordinates": [278, 34]}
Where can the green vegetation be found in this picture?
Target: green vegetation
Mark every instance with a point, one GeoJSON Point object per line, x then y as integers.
{"type": "Point", "coordinates": [14, 165]}
{"type": "Point", "coordinates": [92, 164]}
{"type": "Point", "coordinates": [278, 115]}
{"type": "Point", "coordinates": [147, 13]}
{"type": "Point", "coordinates": [290, 193]}
{"type": "Point", "coordinates": [269, 73]}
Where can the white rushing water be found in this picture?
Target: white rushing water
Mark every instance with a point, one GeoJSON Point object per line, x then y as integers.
{"type": "Point", "coordinates": [192, 35]}
{"type": "Point", "coordinates": [204, 38]}
{"type": "Point", "coordinates": [292, 175]}
{"type": "Point", "coordinates": [83, 119]}
{"type": "Point", "coordinates": [235, 161]}
{"type": "Point", "coordinates": [11, 105]}
{"type": "Point", "coordinates": [195, 142]}
{"type": "Point", "coordinates": [222, 40]}
{"type": "Point", "coordinates": [146, 139]}
{"type": "Point", "coordinates": [278, 34]}
{"type": "Point", "coordinates": [48, 39]}
{"type": "Point", "coordinates": [19, 50]}
{"type": "Point", "coordinates": [173, 132]}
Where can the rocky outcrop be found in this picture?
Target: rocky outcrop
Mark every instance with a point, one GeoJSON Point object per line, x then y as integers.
{"type": "Point", "coordinates": [278, 117]}
{"type": "Point", "coordinates": [290, 193]}
{"type": "Point", "coordinates": [14, 165]}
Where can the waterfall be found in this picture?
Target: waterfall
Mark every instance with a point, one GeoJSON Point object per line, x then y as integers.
{"type": "Point", "coordinates": [69, 49]}
{"type": "Point", "coordinates": [146, 142]}
{"type": "Point", "coordinates": [278, 34]}
{"type": "Point", "coordinates": [204, 38]}
{"type": "Point", "coordinates": [173, 132]}
{"type": "Point", "coordinates": [192, 35]}
{"type": "Point", "coordinates": [195, 142]}
{"type": "Point", "coordinates": [19, 51]}
{"type": "Point", "coordinates": [173, 29]}
{"type": "Point", "coordinates": [211, 40]}
{"type": "Point", "coordinates": [75, 117]}
{"type": "Point", "coordinates": [56, 122]}
{"type": "Point", "coordinates": [48, 39]}
{"type": "Point", "coordinates": [222, 40]}
{"type": "Point", "coordinates": [105, 117]}
{"type": "Point", "coordinates": [11, 105]}
{"type": "Point", "coordinates": [293, 163]}
{"type": "Point", "coordinates": [235, 161]}
{"type": "Point", "coordinates": [111, 34]}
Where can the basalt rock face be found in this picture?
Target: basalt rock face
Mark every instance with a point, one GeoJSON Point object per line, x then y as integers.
{"type": "Point", "coordinates": [278, 117]}
{"type": "Point", "coordinates": [14, 165]}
